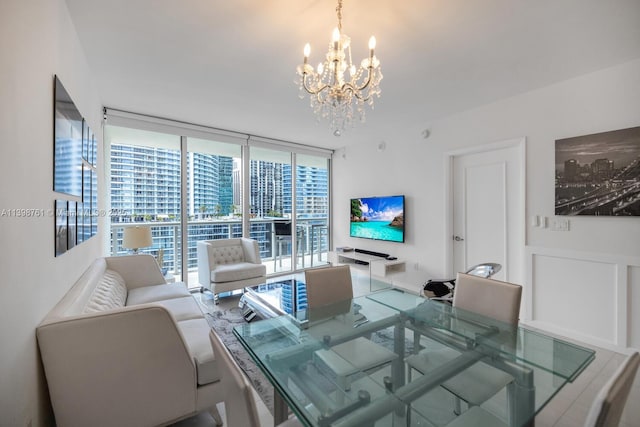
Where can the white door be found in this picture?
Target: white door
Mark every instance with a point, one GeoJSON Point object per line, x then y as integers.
{"type": "Point", "coordinates": [488, 209]}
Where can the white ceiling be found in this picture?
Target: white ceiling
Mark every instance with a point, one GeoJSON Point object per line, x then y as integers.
{"type": "Point", "coordinates": [231, 63]}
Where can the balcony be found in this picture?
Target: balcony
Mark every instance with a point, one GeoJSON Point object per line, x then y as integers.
{"type": "Point", "coordinates": [311, 240]}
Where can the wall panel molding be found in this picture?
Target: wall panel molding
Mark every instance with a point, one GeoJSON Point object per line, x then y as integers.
{"type": "Point", "coordinates": [592, 297]}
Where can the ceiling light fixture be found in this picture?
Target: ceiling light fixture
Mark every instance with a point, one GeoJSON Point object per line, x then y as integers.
{"type": "Point", "coordinates": [332, 96]}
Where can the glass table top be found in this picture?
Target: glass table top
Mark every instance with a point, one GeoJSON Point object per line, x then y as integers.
{"type": "Point", "coordinates": [519, 343]}
{"type": "Point", "coordinates": [337, 391]}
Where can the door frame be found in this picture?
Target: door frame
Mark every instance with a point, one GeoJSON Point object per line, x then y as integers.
{"type": "Point", "coordinates": [520, 144]}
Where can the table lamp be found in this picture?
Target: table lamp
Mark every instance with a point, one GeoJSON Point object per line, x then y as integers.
{"type": "Point", "coordinates": [137, 237]}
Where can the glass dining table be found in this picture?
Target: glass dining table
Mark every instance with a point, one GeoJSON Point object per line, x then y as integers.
{"type": "Point", "coordinates": [287, 348]}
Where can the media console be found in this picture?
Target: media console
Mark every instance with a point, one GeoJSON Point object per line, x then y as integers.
{"type": "Point", "coordinates": [378, 264]}
{"type": "Point", "coordinates": [382, 272]}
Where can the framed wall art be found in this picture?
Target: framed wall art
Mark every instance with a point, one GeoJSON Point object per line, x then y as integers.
{"type": "Point", "coordinates": [60, 210]}
{"type": "Point", "coordinates": [599, 174]}
{"type": "Point", "coordinates": [67, 143]}
{"type": "Point", "coordinates": [72, 225]}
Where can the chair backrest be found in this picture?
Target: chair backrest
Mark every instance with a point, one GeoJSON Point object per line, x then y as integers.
{"type": "Point", "coordinates": [240, 405]}
{"type": "Point", "coordinates": [282, 228]}
{"type": "Point", "coordinates": [328, 285]}
{"type": "Point", "coordinates": [488, 297]}
{"type": "Point", "coordinates": [608, 405]}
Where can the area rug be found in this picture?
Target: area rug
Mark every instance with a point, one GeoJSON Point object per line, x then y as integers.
{"type": "Point", "coordinates": [223, 321]}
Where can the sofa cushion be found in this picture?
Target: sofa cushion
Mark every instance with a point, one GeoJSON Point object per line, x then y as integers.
{"type": "Point", "coordinates": [184, 308]}
{"type": "Point", "coordinates": [196, 334]}
{"type": "Point", "coordinates": [109, 293]}
{"type": "Point", "coordinates": [240, 271]}
{"type": "Point", "coordinates": [147, 294]}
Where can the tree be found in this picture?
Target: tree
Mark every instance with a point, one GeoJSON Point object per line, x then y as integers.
{"type": "Point", "coordinates": [356, 210]}
{"type": "Point", "coordinates": [203, 209]}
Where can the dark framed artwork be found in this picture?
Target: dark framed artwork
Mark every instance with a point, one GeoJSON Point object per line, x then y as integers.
{"type": "Point", "coordinates": [86, 184]}
{"type": "Point", "coordinates": [80, 222]}
{"type": "Point", "coordinates": [599, 174]}
{"type": "Point", "coordinates": [72, 225]}
{"type": "Point", "coordinates": [60, 210]}
{"type": "Point", "coordinates": [94, 203]}
{"type": "Point", "coordinates": [94, 150]}
{"type": "Point", "coordinates": [68, 126]}
{"type": "Point", "coordinates": [85, 140]}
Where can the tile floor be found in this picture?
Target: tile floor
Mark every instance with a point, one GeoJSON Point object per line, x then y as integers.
{"type": "Point", "coordinates": [568, 408]}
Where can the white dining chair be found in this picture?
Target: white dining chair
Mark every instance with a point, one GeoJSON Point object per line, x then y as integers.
{"type": "Point", "coordinates": [606, 409]}
{"type": "Point", "coordinates": [487, 297]}
{"type": "Point", "coordinates": [240, 402]}
{"type": "Point", "coordinates": [331, 287]}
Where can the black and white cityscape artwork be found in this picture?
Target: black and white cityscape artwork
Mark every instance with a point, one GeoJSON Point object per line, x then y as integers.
{"type": "Point", "coordinates": [599, 174]}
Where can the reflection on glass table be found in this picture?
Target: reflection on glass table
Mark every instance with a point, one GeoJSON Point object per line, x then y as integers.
{"type": "Point", "coordinates": [286, 350]}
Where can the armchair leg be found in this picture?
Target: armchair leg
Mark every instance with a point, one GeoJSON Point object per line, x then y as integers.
{"type": "Point", "coordinates": [216, 416]}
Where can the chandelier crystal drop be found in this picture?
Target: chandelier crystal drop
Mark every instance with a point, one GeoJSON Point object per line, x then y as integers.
{"type": "Point", "coordinates": [337, 88]}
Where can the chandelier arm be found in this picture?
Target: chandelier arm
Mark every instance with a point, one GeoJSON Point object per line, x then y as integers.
{"type": "Point", "coordinates": [312, 91]}
{"type": "Point", "coordinates": [357, 89]}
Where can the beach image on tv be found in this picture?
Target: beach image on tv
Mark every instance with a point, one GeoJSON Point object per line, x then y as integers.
{"type": "Point", "coordinates": [380, 218]}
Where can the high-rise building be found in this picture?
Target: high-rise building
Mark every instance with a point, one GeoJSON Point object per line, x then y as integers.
{"type": "Point", "coordinates": [571, 170]}
{"type": "Point", "coordinates": [602, 169]}
{"type": "Point", "coordinates": [145, 182]}
{"type": "Point", "coordinates": [270, 189]}
{"type": "Point", "coordinates": [312, 192]}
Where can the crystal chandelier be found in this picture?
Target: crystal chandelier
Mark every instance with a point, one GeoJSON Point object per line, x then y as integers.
{"type": "Point", "coordinates": [332, 96]}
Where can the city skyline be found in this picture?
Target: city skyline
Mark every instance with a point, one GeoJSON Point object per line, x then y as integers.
{"type": "Point", "coordinates": [599, 174]}
{"type": "Point", "coordinates": [621, 146]}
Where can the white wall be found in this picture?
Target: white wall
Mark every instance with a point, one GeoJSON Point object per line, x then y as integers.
{"type": "Point", "coordinates": [37, 40]}
{"type": "Point", "coordinates": [601, 101]}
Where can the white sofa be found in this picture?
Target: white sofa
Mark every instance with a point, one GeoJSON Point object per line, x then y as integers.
{"type": "Point", "coordinates": [228, 264]}
{"type": "Point", "coordinates": [124, 348]}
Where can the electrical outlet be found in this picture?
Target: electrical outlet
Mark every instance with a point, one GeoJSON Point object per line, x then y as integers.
{"type": "Point", "coordinates": [560, 224]}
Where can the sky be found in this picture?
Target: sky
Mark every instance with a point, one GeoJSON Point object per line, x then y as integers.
{"type": "Point", "coordinates": [382, 208]}
{"type": "Point", "coordinates": [621, 146]}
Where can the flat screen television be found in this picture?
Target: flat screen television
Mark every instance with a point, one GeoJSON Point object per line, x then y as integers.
{"type": "Point", "coordinates": [378, 218]}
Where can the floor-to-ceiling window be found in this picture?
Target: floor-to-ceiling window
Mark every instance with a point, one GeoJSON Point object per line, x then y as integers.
{"type": "Point", "coordinates": [189, 183]}
{"type": "Point", "coordinates": [145, 192]}
{"type": "Point", "coordinates": [214, 199]}
{"type": "Point", "coordinates": [270, 205]}
{"type": "Point", "coordinates": [312, 209]}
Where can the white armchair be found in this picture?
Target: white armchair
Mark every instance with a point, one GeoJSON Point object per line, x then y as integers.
{"type": "Point", "coordinates": [228, 264]}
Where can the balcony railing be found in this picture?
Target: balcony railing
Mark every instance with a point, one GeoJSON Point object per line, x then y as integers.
{"type": "Point", "coordinates": [311, 240]}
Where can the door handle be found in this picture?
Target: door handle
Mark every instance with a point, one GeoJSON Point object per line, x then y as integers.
{"type": "Point", "coordinates": [458, 238]}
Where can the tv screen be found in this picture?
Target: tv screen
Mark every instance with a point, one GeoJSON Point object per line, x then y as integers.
{"type": "Point", "coordinates": [379, 218]}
